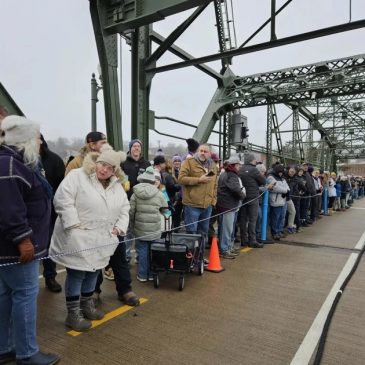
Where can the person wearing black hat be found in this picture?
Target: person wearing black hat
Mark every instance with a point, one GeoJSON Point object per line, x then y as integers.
{"type": "Point", "coordinates": [193, 146]}
{"type": "Point", "coordinates": [55, 171]}
{"type": "Point", "coordinates": [134, 165]}
{"type": "Point", "coordinates": [94, 142]}
{"type": "Point", "coordinates": [159, 164]}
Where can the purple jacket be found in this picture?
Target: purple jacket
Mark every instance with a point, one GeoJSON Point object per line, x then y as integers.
{"type": "Point", "coordinates": [24, 207]}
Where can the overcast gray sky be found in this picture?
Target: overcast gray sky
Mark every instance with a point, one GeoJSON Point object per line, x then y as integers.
{"type": "Point", "coordinates": [48, 53]}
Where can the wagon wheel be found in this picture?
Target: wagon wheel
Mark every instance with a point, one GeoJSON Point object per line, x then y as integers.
{"type": "Point", "coordinates": [201, 267]}
{"type": "Point", "coordinates": [156, 281]}
{"type": "Point", "coordinates": [181, 282]}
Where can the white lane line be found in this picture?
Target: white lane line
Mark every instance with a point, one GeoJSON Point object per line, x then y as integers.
{"type": "Point", "coordinates": [310, 342]}
{"type": "Point", "coordinates": [58, 272]}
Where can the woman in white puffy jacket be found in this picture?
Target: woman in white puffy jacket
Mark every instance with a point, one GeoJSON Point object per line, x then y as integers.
{"type": "Point", "coordinates": [93, 210]}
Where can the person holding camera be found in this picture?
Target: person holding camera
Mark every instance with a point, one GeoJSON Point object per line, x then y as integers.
{"type": "Point", "coordinates": [277, 200]}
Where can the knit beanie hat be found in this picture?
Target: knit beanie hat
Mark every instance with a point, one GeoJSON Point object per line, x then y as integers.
{"type": "Point", "coordinates": [176, 158]}
{"type": "Point", "coordinates": [111, 157]}
{"type": "Point", "coordinates": [95, 137]}
{"type": "Point", "coordinates": [148, 176]}
{"type": "Point", "coordinates": [132, 142]}
{"type": "Point", "coordinates": [193, 145]}
{"type": "Point", "coordinates": [17, 130]}
{"type": "Point", "coordinates": [248, 158]}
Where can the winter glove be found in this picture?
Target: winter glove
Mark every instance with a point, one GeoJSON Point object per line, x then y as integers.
{"type": "Point", "coordinates": [26, 250]}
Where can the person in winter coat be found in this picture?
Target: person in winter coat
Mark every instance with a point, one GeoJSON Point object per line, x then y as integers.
{"type": "Point", "coordinates": [230, 194]}
{"type": "Point", "coordinates": [293, 201]}
{"type": "Point", "coordinates": [173, 189]}
{"type": "Point", "coordinates": [251, 180]}
{"type": "Point", "coordinates": [54, 169]}
{"type": "Point", "coordinates": [93, 210]}
{"type": "Point", "coordinates": [145, 218]}
{"type": "Point", "coordinates": [134, 165]}
{"type": "Point", "coordinates": [25, 210]}
{"type": "Point", "coordinates": [277, 200]}
{"type": "Point", "coordinates": [332, 191]}
{"type": "Point", "coordinates": [94, 142]}
{"type": "Point", "coordinates": [198, 177]}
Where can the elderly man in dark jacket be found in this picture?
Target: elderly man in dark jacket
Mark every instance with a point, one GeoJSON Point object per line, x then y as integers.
{"type": "Point", "coordinates": [230, 194]}
{"type": "Point", "coordinates": [24, 227]}
{"type": "Point", "coordinates": [251, 180]}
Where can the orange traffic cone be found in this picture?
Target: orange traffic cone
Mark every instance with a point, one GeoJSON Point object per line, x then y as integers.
{"type": "Point", "coordinates": [214, 260]}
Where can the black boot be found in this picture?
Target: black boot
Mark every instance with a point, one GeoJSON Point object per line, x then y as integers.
{"type": "Point", "coordinates": [53, 286]}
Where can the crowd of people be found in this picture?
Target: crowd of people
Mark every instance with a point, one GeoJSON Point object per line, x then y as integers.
{"type": "Point", "coordinates": [89, 215]}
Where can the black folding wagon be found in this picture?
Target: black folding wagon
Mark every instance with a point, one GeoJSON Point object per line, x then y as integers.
{"type": "Point", "coordinates": [179, 253]}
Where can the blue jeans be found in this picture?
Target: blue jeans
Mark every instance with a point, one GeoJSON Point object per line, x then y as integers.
{"type": "Point", "coordinates": [18, 308]}
{"type": "Point", "coordinates": [193, 215]}
{"type": "Point", "coordinates": [144, 259]}
{"type": "Point", "coordinates": [276, 219]}
{"type": "Point", "coordinates": [79, 282]}
{"type": "Point", "coordinates": [226, 227]}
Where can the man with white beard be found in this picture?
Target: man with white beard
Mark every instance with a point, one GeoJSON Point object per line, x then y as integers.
{"type": "Point", "coordinates": [25, 208]}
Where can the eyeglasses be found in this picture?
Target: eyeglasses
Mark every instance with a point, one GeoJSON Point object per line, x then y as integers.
{"type": "Point", "coordinates": [106, 166]}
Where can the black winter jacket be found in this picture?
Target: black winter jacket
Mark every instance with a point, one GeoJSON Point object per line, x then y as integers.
{"type": "Point", "coordinates": [24, 209]}
{"type": "Point", "coordinates": [230, 192]}
{"type": "Point", "coordinates": [132, 169]}
{"type": "Point", "coordinates": [251, 180]}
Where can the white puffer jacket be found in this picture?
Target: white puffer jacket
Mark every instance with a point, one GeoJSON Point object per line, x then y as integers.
{"type": "Point", "coordinates": [87, 214]}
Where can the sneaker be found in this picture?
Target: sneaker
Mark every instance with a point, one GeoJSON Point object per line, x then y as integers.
{"type": "Point", "coordinates": [108, 274]}
{"type": "Point", "coordinates": [227, 255]}
{"type": "Point", "coordinates": [236, 250]}
{"type": "Point", "coordinates": [291, 230]}
{"type": "Point", "coordinates": [141, 280]}
{"type": "Point", "coordinates": [206, 262]}
{"type": "Point", "coordinates": [234, 253]}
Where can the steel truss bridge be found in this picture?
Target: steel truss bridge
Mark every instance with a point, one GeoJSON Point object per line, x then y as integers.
{"type": "Point", "coordinates": [326, 100]}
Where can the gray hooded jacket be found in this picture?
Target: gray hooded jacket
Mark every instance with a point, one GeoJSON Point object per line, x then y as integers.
{"type": "Point", "coordinates": [145, 216]}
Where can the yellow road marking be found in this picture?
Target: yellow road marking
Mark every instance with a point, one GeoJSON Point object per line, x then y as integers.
{"type": "Point", "coordinates": [109, 316]}
{"type": "Point", "coordinates": [246, 249]}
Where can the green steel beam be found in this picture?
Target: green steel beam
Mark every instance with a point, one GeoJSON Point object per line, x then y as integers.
{"type": "Point", "coordinates": [141, 86]}
{"type": "Point", "coordinates": [210, 116]}
{"type": "Point", "coordinates": [179, 52]}
{"type": "Point", "coordinates": [168, 42]}
{"type": "Point", "coordinates": [108, 58]}
{"type": "Point", "coordinates": [123, 15]}
{"type": "Point", "coordinates": [263, 46]}
{"type": "Point", "coordinates": [7, 101]}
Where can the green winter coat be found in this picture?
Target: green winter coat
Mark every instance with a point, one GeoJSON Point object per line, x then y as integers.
{"type": "Point", "coordinates": [145, 216]}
